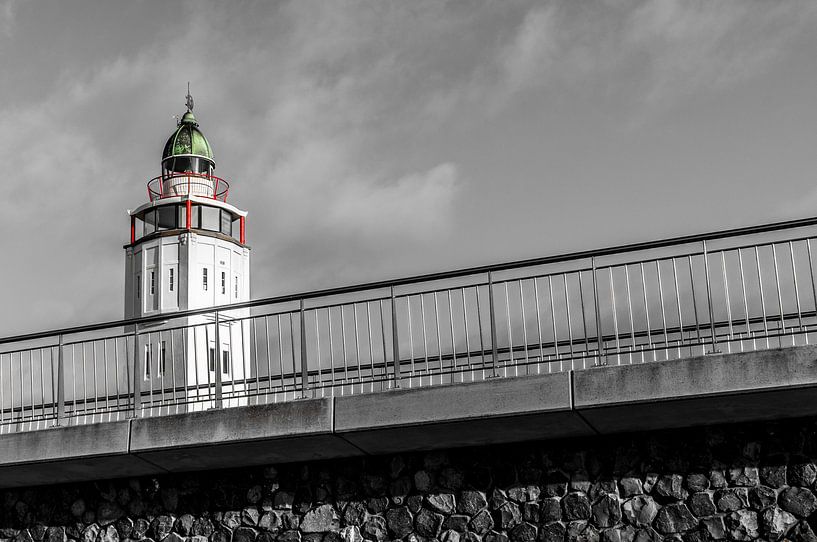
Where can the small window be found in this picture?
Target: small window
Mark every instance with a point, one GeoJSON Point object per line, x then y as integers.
{"type": "Point", "coordinates": [170, 285]}
{"type": "Point", "coordinates": [223, 283]}
{"type": "Point", "coordinates": [138, 286]}
{"type": "Point", "coordinates": [181, 216]}
{"type": "Point", "coordinates": [195, 218]}
{"type": "Point", "coordinates": [204, 279]}
{"type": "Point", "coordinates": [212, 360]}
{"type": "Point", "coordinates": [148, 360]}
{"type": "Point", "coordinates": [152, 282]}
{"type": "Point", "coordinates": [162, 358]}
{"type": "Point", "coordinates": [225, 362]}
{"type": "Point", "coordinates": [236, 287]}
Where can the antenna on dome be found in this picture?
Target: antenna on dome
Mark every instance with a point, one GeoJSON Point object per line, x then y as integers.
{"type": "Point", "coordinates": [189, 100]}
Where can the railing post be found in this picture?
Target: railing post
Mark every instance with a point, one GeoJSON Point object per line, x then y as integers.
{"type": "Point", "coordinates": [137, 376]}
{"type": "Point", "coordinates": [395, 341]}
{"type": "Point", "coordinates": [492, 314]}
{"type": "Point", "coordinates": [709, 301]}
{"type": "Point", "coordinates": [599, 334]}
{"type": "Point", "coordinates": [218, 361]}
{"type": "Point", "coordinates": [304, 360]}
{"type": "Point", "coordinates": [60, 383]}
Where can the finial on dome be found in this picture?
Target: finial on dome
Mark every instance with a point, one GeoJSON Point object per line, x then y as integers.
{"type": "Point", "coordinates": [189, 98]}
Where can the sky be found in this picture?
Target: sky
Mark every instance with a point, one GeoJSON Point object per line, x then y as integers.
{"type": "Point", "coordinates": [371, 140]}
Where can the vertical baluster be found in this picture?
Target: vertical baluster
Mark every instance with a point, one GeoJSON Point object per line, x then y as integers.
{"type": "Point", "coordinates": [646, 311]}
{"type": "Point", "coordinates": [796, 293]}
{"type": "Point", "coordinates": [439, 339]}
{"type": "Point", "coordinates": [357, 347]}
{"type": "Point", "coordinates": [524, 326]}
{"type": "Point", "coordinates": [584, 322]}
{"type": "Point", "coordinates": [569, 322]}
{"type": "Point", "coordinates": [411, 340]}
{"type": "Point", "coordinates": [371, 345]}
{"type": "Point", "coordinates": [599, 332]}
{"type": "Point", "coordinates": [663, 309]}
{"type": "Point", "coordinates": [465, 328]}
{"type": "Point", "coordinates": [553, 321]}
{"type": "Point", "coordinates": [630, 310]}
{"type": "Point", "coordinates": [728, 302]}
{"type": "Point", "coordinates": [492, 314]}
{"type": "Point", "coordinates": [709, 300]}
{"type": "Point", "coordinates": [811, 276]}
{"type": "Point", "coordinates": [304, 359]}
{"type": "Point", "coordinates": [538, 326]}
{"type": "Point", "coordinates": [137, 377]}
{"type": "Point", "coordinates": [331, 348]}
{"type": "Point", "coordinates": [615, 315]}
{"type": "Point", "coordinates": [481, 334]}
{"type": "Point", "coordinates": [269, 353]}
{"type": "Point", "coordinates": [453, 339]}
{"type": "Point", "coordinates": [779, 296]}
{"type": "Point", "coordinates": [426, 367]}
{"type": "Point", "coordinates": [678, 306]}
{"type": "Point", "coordinates": [343, 341]}
{"type": "Point", "coordinates": [218, 361]}
{"type": "Point", "coordinates": [383, 343]}
{"type": "Point", "coordinates": [762, 299]}
{"type": "Point", "coordinates": [395, 340]}
{"type": "Point", "coordinates": [319, 364]}
{"type": "Point", "coordinates": [745, 302]}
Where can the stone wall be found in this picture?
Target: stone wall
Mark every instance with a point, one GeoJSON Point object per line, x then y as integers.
{"type": "Point", "coordinates": [743, 482]}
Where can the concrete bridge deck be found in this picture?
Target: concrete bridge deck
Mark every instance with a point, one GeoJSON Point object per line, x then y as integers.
{"type": "Point", "coordinates": [722, 388]}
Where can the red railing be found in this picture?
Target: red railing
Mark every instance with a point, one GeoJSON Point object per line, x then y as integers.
{"type": "Point", "coordinates": [183, 184]}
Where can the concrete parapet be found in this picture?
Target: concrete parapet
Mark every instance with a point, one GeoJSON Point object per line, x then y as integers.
{"type": "Point", "coordinates": [711, 389]}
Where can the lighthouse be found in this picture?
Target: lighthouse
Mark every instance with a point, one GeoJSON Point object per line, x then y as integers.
{"type": "Point", "coordinates": [188, 251]}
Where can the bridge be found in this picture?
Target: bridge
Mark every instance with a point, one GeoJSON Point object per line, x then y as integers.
{"type": "Point", "coordinates": [701, 329]}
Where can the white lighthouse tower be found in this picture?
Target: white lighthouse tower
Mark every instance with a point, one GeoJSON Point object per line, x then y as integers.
{"type": "Point", "coordinates": [187, 251]}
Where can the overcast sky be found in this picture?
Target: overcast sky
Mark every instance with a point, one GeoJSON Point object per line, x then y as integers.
{"type": "Point", "coordinates": [373, 140]}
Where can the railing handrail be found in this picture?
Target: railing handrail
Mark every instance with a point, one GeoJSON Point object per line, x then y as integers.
{"type": "Point", "coordinates": [428, 277]}
{"type": "Point", "coordinates": [219, 192]}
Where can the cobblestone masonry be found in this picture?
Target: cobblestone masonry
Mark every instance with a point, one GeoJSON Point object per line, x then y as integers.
{"type": "Point", "coordinates": [746, 482]}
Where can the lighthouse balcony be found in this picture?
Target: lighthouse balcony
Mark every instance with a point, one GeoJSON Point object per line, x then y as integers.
{"type": "Point", "coordinates": [175, 184]}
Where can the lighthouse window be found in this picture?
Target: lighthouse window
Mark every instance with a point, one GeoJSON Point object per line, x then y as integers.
{"type": "Point", "coordinates": [204, 279]}
{"type": "Point", "coordinates": [162, 358]}
{"type": "Point", "coordinates": [226, 223]}
{"type": "Point", "coordinates": [171, 279]}
{"type": "Point", "coordinates": [236, 287]}
{"type": "Point", "coordinates": [152, 282]}
{"type": "Point", "coordinates": [150, 222]}
{"type": "Point", "coordinates": [167, 217]}
{"type": "Point", "coordinates": [212, 359]}
{"type": "Point", "coordinates": [148, 359]}
{"type": "Point", "coordinates": [225, 362]}
{"type": "Point", "coordinates": [223, 282]}
{"type": "Point", "coordinates": [210, 218]}
{"type": "Point", "coordinates": [138, 286]}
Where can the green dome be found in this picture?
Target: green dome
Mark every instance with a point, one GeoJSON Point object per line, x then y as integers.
{"type": "Point", "coordinates": [188, 139]}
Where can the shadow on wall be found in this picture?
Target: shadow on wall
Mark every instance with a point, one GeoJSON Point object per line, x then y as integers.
{"type": "Point", "coordinates": [738, 482]}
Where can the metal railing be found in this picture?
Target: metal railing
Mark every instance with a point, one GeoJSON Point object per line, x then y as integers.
{"type": "Point", "coordinates": [730, 291]}
{"type": "Point", "coordinates": [182, 184]}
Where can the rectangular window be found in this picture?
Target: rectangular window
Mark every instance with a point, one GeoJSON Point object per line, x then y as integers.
{"type": "Point", "coordinates": [212, 360]}
{"type": "Point", "coordinates": [225, 362]}
{"type": "Point", "coordinates": [210, 218]}
{"type": "Point", "coordinates": [226, 223]}
{"type": "Point", "coordinates": [162, 358]}
{"type": "Point", "coordinates": [138, 286]}
{"type": "Point", "coordinates": [195, 219]}
{"type": "Point", "coordinates": [204, 279]}
{"type": "Point", "coordinates": [148, 360]}
{"type": "Point", "coordinates": [181, 218]}
{"type": "Point", "coordinates": [167, 217]}
{"type": "Point", "coordinates": [236, 287]}
{"type": "Point", "coordinates": [223, 282]}
{"type": "Point", "coordinates": [152, 282]}
{"type": "Point", "coordinates": [171, 279]}
{"type": "Point", "coordinates": [150, 222]}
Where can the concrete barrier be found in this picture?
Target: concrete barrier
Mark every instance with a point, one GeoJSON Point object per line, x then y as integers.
{"type": "Point", "coordinates": [695, 391]}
